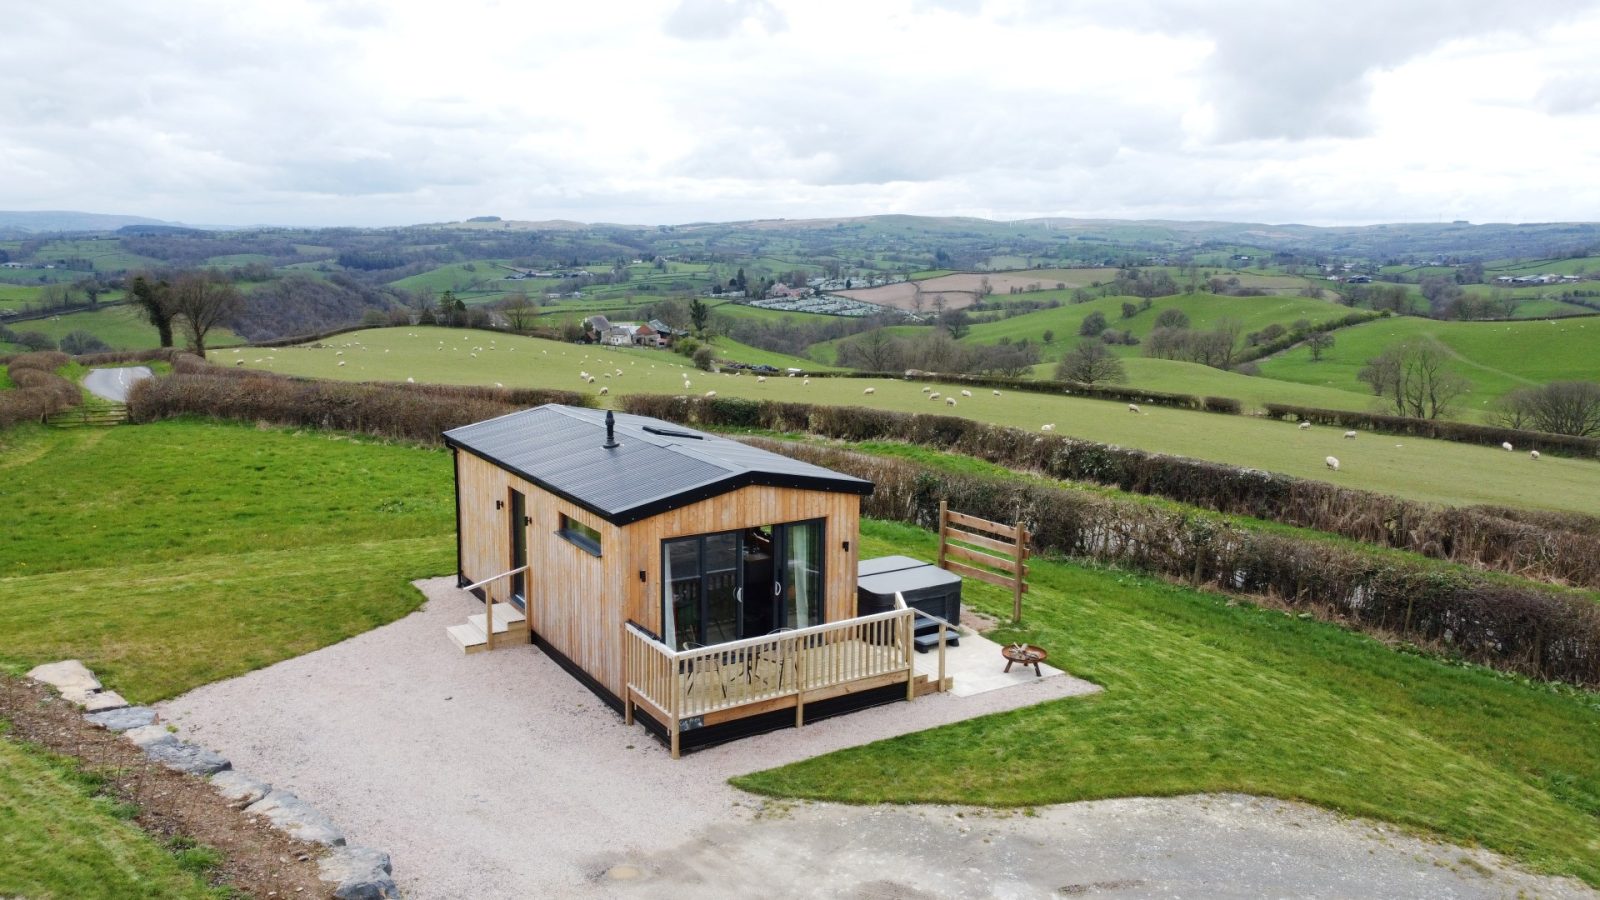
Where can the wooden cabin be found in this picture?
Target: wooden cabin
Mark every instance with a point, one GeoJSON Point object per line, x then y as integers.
{"type": "Point", "coordinates": [684, 577]}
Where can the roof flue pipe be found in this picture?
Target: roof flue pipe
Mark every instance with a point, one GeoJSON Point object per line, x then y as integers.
{"type": "Point", "coordinates": [611, 431]}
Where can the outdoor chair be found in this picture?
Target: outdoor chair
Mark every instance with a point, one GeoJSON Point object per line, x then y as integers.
{"type": "Point", "coordinates": [702, 670]}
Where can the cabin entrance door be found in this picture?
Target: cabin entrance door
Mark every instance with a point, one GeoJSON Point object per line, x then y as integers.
{"type": "Point", "coordinates": [742, 584]}
{"type": "Point", "coordinates": [519, 547]}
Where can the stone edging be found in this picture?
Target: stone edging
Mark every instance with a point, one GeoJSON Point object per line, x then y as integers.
{"type": "Point", "coordinates": [356, 873]}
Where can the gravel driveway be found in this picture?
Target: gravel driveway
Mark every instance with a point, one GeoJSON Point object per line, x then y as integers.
{"type": "Point", "coordinates": [113, 384]}
{"type": "Point", "coordinates": [498, 775]}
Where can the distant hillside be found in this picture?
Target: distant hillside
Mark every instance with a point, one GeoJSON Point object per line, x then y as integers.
{"type": "Point", "coordinates": [37, 221]}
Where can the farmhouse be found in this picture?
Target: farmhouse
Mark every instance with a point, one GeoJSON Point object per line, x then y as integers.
{"type": "Point", "coordinates": [622, 334]}
{"type": "Point", "coordinates": [689, 580]}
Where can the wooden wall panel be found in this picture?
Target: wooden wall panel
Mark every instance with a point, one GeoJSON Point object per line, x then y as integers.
{"type": "Point", "coordinates": [579, 602]}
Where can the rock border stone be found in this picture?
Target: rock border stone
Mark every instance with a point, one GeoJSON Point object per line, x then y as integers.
{"type": "Point", "coordinates": [358, 873]}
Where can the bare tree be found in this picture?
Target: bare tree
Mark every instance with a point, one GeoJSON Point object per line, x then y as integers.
{"type": "Point", "coordinates": [1318, 343]}
{"type": "Point", "coordinates": [520, 311]}
{"type": "Point", "coordinates": [202, 301]}
{"type": "Point", "coordinates": [874, 351]}
{"type": "Point", "coordinates": [1413, 379]}
{"type": "Point", "coordinates": [1561, 407]}
{"type": "Point", "coordinates": [1090, 362]}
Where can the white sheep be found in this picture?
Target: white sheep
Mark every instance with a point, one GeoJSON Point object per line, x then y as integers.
{"type": "Point", "coordinates": [1332, 462]}
{"type": "Point", "coordinates": [1350, 435]}
{"type": "Point", "coordinates": [604, 391]}
{"type": "Point", "coordinates": [870, 391]}
{"type": "Point", "coordinates": [1533, 454]}
{"type": "Point", "coordinates": [1133, 407]}
{"type": "Point", "coordinates": [949, 401]}
{"type": "Point", "coordinates": [996, 393]}
{"type": "Point", "coordinates": [927, 390]}
{"type": "Point", "coordinates": [238, 362]}
{"type": "Point", "coordinates": [1507, 447]}
{"type": "Point", "coordinates": [1049, 427]}
{"type": "Point", "coordinates": [711, 393]}
{"type": "Point", "coordinates": [409, 379]}
{"type": "Point", "coordinates": [1305, 426]}
{"type": "Point", "coordinates": [761, 379]}
{"type": "Point", "coordinates": [591, 379]}
{"type": "Point", "coordinates": [806, 383]}
{"type": "Point", "coordinates": [934, 395]}
{"type": "Point", "coordinates": [966, 393]}
{"type": "Point", "coordinates": [338, 353]}
{"type": "Point", "coordinates": [341, 363]}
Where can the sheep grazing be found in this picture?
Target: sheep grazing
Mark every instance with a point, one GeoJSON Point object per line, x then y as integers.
{"type": "Point", "coordinates": [591, 379]}
{"type": "Point", "coordinates": [1049, 427]}
{"type": "Point", "coordinates": [761, 379]}
{"type": "Point", "coordinates": [341, 362]}
{"type": "Point", "coordinates": [1332, 462]}
{"type": "Point", "coordinates": [934, 395]}
{"type": "Point", "coordinates": [409, 379]}
{"type": "Point", "coordinates": [870, 391]}
{"type": "Point", "coordinates": [1507, 447]}
{"type": "Point", "coordinates": [1305, 426]}
{"type": "Point", "coordinates": [1533, 454]}
{"type": "Point", "coordinates": [1133, 407]}
{"type": "Point", "coordinates": [605, 390]}
{"type": "Point", "coordinates": [927, 390]}
{"type": "Point", "coordinates": [996, 393]}
{"type": "Point", "coordinates": [338, 353]}
{"type": "Point", "coordinates": [949, 401]}
{"type": "Point", "coordinates": [1350, 435]}
{"type": "Point", "coordinates": [966, 393]}
{"type": "Point", "coordinates": [711, 393]}
{"type": "Point", "coordinates": [806, 383]}
{"type": "Point", "coordinates": [238, 362]}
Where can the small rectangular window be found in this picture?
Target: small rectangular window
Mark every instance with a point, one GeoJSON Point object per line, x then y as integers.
{"type": "Point", "coordinates": [586, 538]}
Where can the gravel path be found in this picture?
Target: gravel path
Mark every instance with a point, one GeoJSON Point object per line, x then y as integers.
{"type": "Point", "coordinates": [113, 384]}
{"type": "Point", "coordinates": [498, 775]}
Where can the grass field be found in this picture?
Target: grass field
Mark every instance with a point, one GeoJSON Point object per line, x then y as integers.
{"type": "Point", "coordinates": [1253, 392]}
{"type": "Point", "coordinates": [1438, 471]}
{"type": "Point", "coordinates": [198, 551]}
{"type": "Point", "coordinates": [1496, 356]}
{"type": "Point", "coordinates": [120, 327]}
{"type": "Point", "coordinates": [166, 556]}
{"type": "Point", "coordinates": [62, 839]}
{"type": "Point", "coordinates": [1204, 311]}
{"type": "Point", "coordinates": [1202, 694]}
{"type": "Point", "coordinates": [15, 296]}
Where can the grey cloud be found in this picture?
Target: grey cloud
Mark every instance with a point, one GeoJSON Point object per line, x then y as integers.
{"type": "Point", "coordinates": [707, 20]}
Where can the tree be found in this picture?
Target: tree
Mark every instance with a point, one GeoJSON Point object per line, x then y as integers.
{"type": "Point", "coordinates": [1319, 342]}
{"type": "Point", "coordinates": [1412, 378]}
{"type": "Point", "coordinates": [1561, 407]}
{"type": "Point", "coordinates": [875, 351]}
{"type": "Point", "coordinates": [80, 341]}
{"type": "Point", "coordinates": [1129, 310]}
{"type": "Point", "coordinates": [1172, 318]}
{"type": "Point", "coordinates": [91, 287]}
{"type": "Point", "coordinates": [520, 311]}
{"type": "Point", "coordinates": [700, 313]}
{"type": "Point", "coordinates": [1090, 362]}
{"type": "Point", "coordinates": [154, 301]}
{"type": "Point", "coordinates": [956, 322]}
{"type": "Point", "coordinates": [1049, 337]}
{"type": "Point", "coordinates": [202, 301]}
{"type": "Point", "coordinates": [1093, 324]}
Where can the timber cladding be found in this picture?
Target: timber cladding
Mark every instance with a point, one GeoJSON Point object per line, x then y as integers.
{"type": "Point", "coordinates": [579, 601]}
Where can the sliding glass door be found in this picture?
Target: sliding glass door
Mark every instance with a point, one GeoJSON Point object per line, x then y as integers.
{"type": "Point", "coordinates": [739, 584]}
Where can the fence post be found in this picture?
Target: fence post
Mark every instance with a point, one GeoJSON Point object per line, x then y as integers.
{"type": "Point", "coordinates": [1016, 576]}
{"type": "Point", "coordinates": [944, 519]}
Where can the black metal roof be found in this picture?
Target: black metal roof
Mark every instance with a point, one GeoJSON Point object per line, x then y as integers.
{"type": "Point", "coordinates": [657, 465]}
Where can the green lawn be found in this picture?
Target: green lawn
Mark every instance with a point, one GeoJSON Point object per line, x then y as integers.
{"type": "Point", "coordinates": [15, 296]}
{"type": "Point", "coordinates": [1203, 694]}
{"type": "Point", "coordinates": [170, 555]}
{"type": "Point", "coordinates": [60, 839]}
{"type": "Point", "coordinates": [1495, 356]}
{"type": "Point", "coordinates": [1438, 471]}
{"type": "Point", "coordinates": [121, 327]}
{"type": "Point", "coordinates": [1253, 391]}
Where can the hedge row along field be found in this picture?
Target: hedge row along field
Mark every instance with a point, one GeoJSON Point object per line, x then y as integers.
{"type": "Point", "coordinates": [410, 412]}
{"type": "Point", "coordinates": [1472, 536]}
{"type": "Point", "coordinates": [1534, 632]}
{"type": "Point", "coordinates": [1443, 430]}
{"type": "Point", "coordinates": [39, 392]}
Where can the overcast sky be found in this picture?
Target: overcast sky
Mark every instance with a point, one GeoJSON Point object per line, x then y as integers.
{"type": "Point", "coordinates": [688, 110]}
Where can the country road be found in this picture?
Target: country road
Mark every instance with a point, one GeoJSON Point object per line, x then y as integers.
{"type": "Point", "coordinates": [113, 384]}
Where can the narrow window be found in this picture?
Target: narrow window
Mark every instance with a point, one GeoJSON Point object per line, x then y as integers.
{"type": "Point", "coordinates": [579, 534]}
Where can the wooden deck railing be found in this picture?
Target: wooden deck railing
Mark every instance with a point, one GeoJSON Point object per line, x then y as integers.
{"type": "Point", "coordinates": [690, 688]}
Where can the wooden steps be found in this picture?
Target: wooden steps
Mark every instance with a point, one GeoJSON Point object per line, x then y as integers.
{"type": "Point", "coordinates": [470, 636]}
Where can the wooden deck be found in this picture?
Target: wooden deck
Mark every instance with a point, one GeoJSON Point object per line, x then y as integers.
{"type": "Point", "coordinates": [708, 685]}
